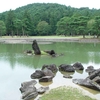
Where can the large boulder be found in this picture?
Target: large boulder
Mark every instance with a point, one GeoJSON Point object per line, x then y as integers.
{"type": "Point", "coordinates": [90, 70]}
{"type": "Point", "coordinates": [28, 90]}
{"type": "Point", "coordinates": [78, 66]}
{"type": "Point", "coordinates": [36, 48]}
{"type": "Point", "coordinates": [92, 81]}
{"type": "Point", "coordinates": [48, 72]}
{"type": "Point", "coordinates": [66, 68]}
{"type": "Point", "coordinates": [37, 74]}
{"type": "Point", "coordinates": [41, 73]}
{"type": "Point", "coordinates": [51, 67]}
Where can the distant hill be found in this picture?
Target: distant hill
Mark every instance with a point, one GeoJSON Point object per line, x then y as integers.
{"type": "Point", "coordinates": [50, 13]}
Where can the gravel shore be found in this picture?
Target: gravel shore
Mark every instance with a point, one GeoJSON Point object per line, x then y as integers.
{"type": "Point", "coordinates": [29, 40]}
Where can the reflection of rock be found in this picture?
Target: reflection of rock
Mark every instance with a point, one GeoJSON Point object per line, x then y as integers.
{"type": "Point", "coordinates": [67, 73]}
{"type": "Point", "coordinates": [46, 79]}
{"type": "Point", "coordinates": [79, 71]}
{"type": "Point", "coordinates": [46, 83]}
{"type": "Point", "coordinates": [66, 68]}
{"type": "Point", "coordinates": [78, 66]}
{"type": "Point", "coordinates": [28, 90]}
{"type": "Point", "coordinates": [92, 81]}
{"type": "Point", "coordinates": [67, 76]}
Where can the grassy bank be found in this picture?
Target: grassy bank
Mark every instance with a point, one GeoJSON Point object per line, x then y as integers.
{"type": "Point", "coordinates": [65, 93]}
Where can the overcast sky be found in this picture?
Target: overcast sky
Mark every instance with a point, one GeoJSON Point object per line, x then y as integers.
{"type": "Point", "coordinates": [6, 5]}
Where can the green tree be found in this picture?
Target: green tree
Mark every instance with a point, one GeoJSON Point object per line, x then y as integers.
{"type": "Point", "coordinates": [17, 26]}
{"type": "Point", "coordinates": [27, 25]}
{"type": "Point", "coordinates": [80, 24]}
{"type": "Point", "coordinates": [43, 28]}
{"type": "Point", "coordinates": [2, 28]}
{"type": "Point", "coordinates": [63, 26]}
{"type": "Point", "coordinates": [91, 27]}
{"type": "Point", "coordinates": [97, 25]}
{"type": "Point", "coordinates": [10, 22]}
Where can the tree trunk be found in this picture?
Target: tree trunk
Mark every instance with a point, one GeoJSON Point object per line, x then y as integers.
{"type": "Point", "coordinates": [36, 48]}
{"type": "Point", "coordinates": [23, 31]}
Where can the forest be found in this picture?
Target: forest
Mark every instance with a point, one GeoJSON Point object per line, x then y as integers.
{"type": "Point", "coordinates": [41, 19]}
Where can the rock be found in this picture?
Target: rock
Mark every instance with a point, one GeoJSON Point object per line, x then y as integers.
{"type": "Point", "coordinates": [66, 68]}
{"type": "Point", "coordinates": [36, 48]}
{"type": "Point", "coordinates": [37, 74]}
{"type": "Point", "coordinates": [83, 82]}
{"type": "Point", "coordinates": [46, 79]}
{"type": "Point", "coordinates": [24, 85]}
{"type": "Point", "coordinates": [78, 66]}
{"type": "Point", "coordinates": [90, 70]}
{"type": "Point", "coordinates": [31, 93]}
{"type": "Point", "coordinates": [51, 52]}
{"type": "Point", "coordinates": [48, 72]}
{"type": "Point", "coordinates": [41, 90]}
{"type": "Point", "coordinates": [28, 90]}
{"type": "Point", "coordinates": [51, 67]}
{"type": "Point", "coordinates": [92, 81]}
{"type": "Point", "coordinates": [94, 74]}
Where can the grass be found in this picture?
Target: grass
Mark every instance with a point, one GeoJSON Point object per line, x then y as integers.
{"type": "Point", "coordinates": [65, 93]}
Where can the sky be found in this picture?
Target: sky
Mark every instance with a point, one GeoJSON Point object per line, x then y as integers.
{"type": "Point", "coordinates": [6, 5]}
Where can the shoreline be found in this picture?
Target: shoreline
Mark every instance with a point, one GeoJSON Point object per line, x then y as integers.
{"type": "Point", "coordinates": [29, 40]}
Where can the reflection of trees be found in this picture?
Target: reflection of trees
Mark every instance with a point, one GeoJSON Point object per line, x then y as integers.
{"type": "Point", "coordinates": [73, 52]}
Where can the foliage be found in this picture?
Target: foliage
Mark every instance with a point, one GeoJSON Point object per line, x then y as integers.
{"type": "Point", "coordinates": [51, 19]}
{"type": "Point", "coordinates": [65, 93]}
{"type": "Point", "coordinates": [2, 28]}
{"type": "Point", "coordinates": [43, 28]}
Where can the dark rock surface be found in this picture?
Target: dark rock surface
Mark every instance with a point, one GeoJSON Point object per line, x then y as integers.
{"type": "Point", "coordinates": [28, 90]}
{"type": "Point", "coordinates": [66, 68]}
{"type": "Point", "coordinates": [78, 66]}
{"type": "Point", "coordinates": [92, 81]}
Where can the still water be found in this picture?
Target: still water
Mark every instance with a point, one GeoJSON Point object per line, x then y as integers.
{"type": "Point", "coordinates": [16, 67]}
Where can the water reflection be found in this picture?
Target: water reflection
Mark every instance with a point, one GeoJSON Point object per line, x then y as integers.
{"type": "Point", "coordinates": [16, 67]}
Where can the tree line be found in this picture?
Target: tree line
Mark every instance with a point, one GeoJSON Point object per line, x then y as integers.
{"type": "Point", "coordinates": [40, 19]}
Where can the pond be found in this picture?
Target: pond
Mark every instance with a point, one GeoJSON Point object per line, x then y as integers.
{"type": "Point", "coordinates": [16, 67]}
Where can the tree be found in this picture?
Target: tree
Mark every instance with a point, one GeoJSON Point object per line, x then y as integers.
{"type": "Point", "coordinates": [63, 26]}
{"type": "Point", "coordinates": [43, 28]}
{"type": "Point", "coordinates": [10, 23]}
{"type": "Point", "coordinates": [27, 25]}
{"type": "Point", "coordinates": [91, 26]}
{"type": "Point", "coordinates": [2, 28]}
{"type": "Point", "coordinates": [97, 25]}
{"type": "Point", "coordinates": [17, 26]}
{"type": "Point", "coordinates": [81, 25]}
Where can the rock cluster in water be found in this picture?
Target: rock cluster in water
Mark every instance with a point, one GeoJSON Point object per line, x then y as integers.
{"type": "Point", "coordinates": [48, 72]}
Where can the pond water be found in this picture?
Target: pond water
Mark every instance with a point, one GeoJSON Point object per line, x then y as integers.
{"type": "Point", "coordinates": [16, 67]}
